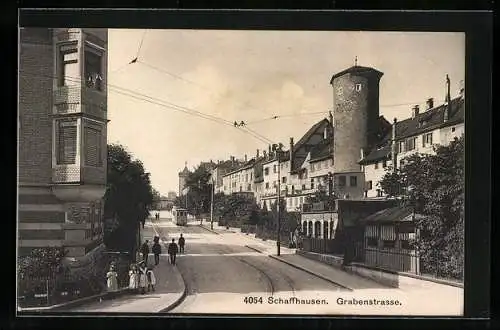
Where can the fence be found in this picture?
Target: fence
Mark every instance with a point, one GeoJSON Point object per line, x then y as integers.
{"type": "Point", "coordinates": [64, 284]}
{"type": "Point", "coordinates": [265, 233]}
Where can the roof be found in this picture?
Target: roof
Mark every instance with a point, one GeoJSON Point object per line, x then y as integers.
{"type": "Point", "coordinates": [322, 150]}
{"type": "Point", "coordinates": [299, 159]}
{"type": "Point", "coordinates": [426, 121]}
{"type": "Point", "coordinates": [185, 171]}
{"type": "Point", "coordinates": [356, 69]}
{"type": "Point", "coordinates": [393, 214]}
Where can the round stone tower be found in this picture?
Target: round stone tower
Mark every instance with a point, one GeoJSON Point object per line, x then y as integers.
{"type": "Point", "coordinates": [182, 179]}
{"type": "Point", "coordinates": [355, 115]}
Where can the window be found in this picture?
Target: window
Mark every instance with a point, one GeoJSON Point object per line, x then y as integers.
{"type": "Point", "coordinates": [405, 244]}
{"type": "Point", "coordinates": [69, 68]}
{"type": "Point", "coordinates": [379, 193]}
{"type": "Point", "coordinates": [301, 200]}
{"type": "Point", "coordinates": [401, 146]}
{"type": "Point", "coordinates": [267, 185]}
{"type": "Point", "coordinates": [453, 129]}
{"type": "Point", "coordinates": [274, 169]}
{"type": "Point", "coordinates": [376, 165]}
{"type": "Point", "coordinates": [312, 183]}
{"type": "Point", "coordinates": [249, 187]}
{"type": "Point", "coordinates": [303, 187]}
{"type": "Point", "coordinates": [283, 179]}
{"type": "Point", "coordinates": [371, 242]}
{"type": "Point", "coordinates": [93, 69]}
{"type": "Point", "coordinates": [331, 162]}
{"type": "Point", "coordinates": [266, 170]}
{"type": "Point", "coordinates": [353, 181]}
{"type": "Point", "coordinates": [251, 176]}
{"type": "Point", "coordinates": [241, 188]}
{"type": "Point", "coordinates": [410, 144]}
{"type": "Point", "coordinates": [427, 139]}
{"type": "Point", "coordinates": [293, 189]}
{"type": "Point", "coordinates": [66, 143]}
{"type": "Point", "coordinates": [384, 163]}
{"type": "Point", "coordinates": [246, 177]}
{"type": "Point", "coordinates": [93, 147]}
{"type": "Point", "coordinates": [342, 181]}
{"type": "Point", "coordinates": [312, 167]}
{"type": "Point", "coordinates": [369, 185]}
{"type": "Point", "coordinates": [358, 87]}
{"type": "Point", "coordinates": [388, 244]}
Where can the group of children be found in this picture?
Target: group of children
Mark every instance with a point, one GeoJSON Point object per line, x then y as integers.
{"type": "Point", "coordinates": [141, 278]}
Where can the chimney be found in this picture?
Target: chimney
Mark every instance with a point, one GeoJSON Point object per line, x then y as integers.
{"type": "Point", "coordinates": [414, 111]}
{"type": "Point", "coordinates": [447, 101]}
{"type": "Point", "coordinates": [257, 156]}
{"type": "Point", "coordinates": [269, 152]}
{"type": "Point", "coordinates": [245, 158]}
{"type": "Point", "coordinates": [291, 153]}
{"type": "Point", "coordinates": [362, 153]}
{"type": "Point", "coordinates": [461, 91]}
{"type": "Point", "coordinates": [264, 153]}
{"type": "Point", "coordinates": [393, 144]}
{"type": "Point", "coordinates": [430, 103]}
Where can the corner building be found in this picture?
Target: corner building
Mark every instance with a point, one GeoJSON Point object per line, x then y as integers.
{"type": "Point", "coordinates": [62, 138]}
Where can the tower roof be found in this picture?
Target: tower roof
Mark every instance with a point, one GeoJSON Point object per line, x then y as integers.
{"type": "Point", "coordinates": [356, 69]}
{"type": "Point", "coordinates": [185, 171]}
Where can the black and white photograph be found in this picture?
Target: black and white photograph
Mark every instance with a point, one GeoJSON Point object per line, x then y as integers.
{"type": "Point", "coordinates": [206, 171]}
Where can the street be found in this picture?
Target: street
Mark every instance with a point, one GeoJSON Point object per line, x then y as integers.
{"type": "Point", "coordinates": [224, 271]}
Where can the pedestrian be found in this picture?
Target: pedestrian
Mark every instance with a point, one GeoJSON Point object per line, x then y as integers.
{"type": "Point", "coordinates": [182, 242]}
{"type": "Point", "coordinates": [156, 250]}
{"type": "Point", "coordinates": [151, 279]}
{"type": "Point", "coordinates": [142, 277]}
{"type": "Point", "coordinates": [133, 282]}
{"type": "Point", "coordinates": [112, 279]}
{"type": "Point", "coordinates": [145, 251]}
{"type": "Point", "coordinates": [172, 251]}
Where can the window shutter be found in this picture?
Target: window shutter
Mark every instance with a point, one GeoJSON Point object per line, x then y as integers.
{"type": "Point", "coordinates": [67, 144]}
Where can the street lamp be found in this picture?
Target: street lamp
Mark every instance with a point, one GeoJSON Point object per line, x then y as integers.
{"type": "Point", "coordinates": [277, 149]}
{"type": "Point", "coordinates": [212, 204]}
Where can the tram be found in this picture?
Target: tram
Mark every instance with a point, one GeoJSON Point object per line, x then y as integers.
{"type": "Point", "coordinates": [179, 216]}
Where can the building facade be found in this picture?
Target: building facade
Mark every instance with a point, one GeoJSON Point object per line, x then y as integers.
{"type": "Point", "coordinates": [419, 134]}
{"type": "Point", "coordinates": [62, 138]}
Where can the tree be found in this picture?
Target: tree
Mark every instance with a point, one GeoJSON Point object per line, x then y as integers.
{"type": "Point", "coordinates": [437, 192]}
{"type": "Point", "coordinates": [128, 198]}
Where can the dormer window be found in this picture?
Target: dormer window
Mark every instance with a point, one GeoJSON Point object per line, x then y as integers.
{"type": "Point", "coordinates": [357, 87]}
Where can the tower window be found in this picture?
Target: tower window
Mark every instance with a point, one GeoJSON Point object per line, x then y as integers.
{"type": "Point", "coordinates": [342, 181]}
{"type": "Point", "coordinates": [358, 87]}
{"type": "Point", "coordinates": [353, 181]}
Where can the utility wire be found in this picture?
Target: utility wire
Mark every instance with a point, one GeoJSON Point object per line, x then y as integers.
{"type": "Point", "coordinates": [163, 103]}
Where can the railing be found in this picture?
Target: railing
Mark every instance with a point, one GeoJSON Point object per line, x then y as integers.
{"type": "Point", "coordinates": [319, 245]}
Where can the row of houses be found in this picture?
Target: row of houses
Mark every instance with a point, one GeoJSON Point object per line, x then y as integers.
{"type": "Point", "coordinates": [317, 161]}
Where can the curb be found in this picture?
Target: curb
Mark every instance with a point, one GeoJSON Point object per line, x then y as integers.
{"type": "Point", "coordinates": [256, 250]}
{"type": "Point", "coordinates": [210, 230]}
{"type": "Point", "coordinates": [310, 272]}
{"type": "Point", "coordinates": [76, 302]}
{"type": "Point", "coordinates": [179, 300]}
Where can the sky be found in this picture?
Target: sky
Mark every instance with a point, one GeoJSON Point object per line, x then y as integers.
{"type": "Point", "coordinates": [252, 76]}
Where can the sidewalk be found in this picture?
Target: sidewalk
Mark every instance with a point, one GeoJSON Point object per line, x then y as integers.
{"type": "Point", "coordinates": [170, 290]}
{"type": "Point", "coordinates": [257, 244]}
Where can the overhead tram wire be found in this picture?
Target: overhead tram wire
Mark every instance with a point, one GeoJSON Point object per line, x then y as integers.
{"type": "Point", "coordinates": [163, 103]}
{"type": "Point", "coordinates": [134, 60]}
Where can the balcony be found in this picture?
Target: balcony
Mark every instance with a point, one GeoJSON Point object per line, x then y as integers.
{"type": "Point", "coordinates": [80, 99]}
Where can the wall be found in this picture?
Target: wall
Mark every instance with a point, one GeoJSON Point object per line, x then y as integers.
{"type": "Point", "coordinates": [351, 115]}
{"type": "Point", "coordinates": [35, 105]}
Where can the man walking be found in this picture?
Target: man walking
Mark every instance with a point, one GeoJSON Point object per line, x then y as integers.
{"type": "Point", "coordinates": [156, 249]}
{"type": "Point", "coordinates": [181, 244]}
{"type": "Point", "coordinates": [145, 251]}
{"type": "Point", "coordinates": [172, 251]}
